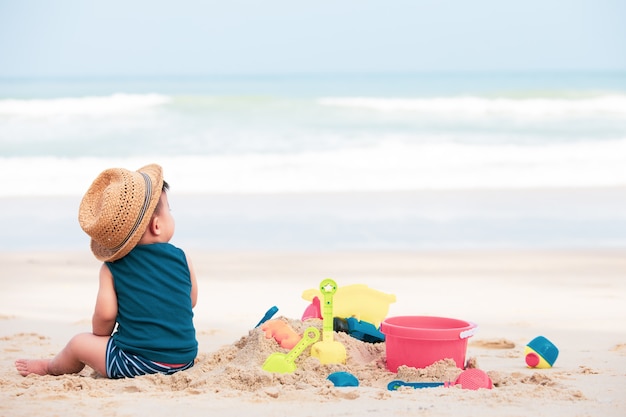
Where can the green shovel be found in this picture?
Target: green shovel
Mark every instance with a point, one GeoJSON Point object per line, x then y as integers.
{"type": "Point", "coordinates": [328, 350]}
{"type": "Point", "coordinates": [285, 362]}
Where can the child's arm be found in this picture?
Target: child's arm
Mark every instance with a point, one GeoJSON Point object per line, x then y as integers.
{"type": "Point", "coordinates": [194, 283]}
{"type": "Point", "coordinates": [103, 321]}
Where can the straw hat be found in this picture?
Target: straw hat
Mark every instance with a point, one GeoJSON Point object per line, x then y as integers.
{"type": "Point", "coordinates": [117, 208]}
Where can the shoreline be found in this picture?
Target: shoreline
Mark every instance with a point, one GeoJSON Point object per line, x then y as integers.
{"type": "Point", "coordinates": [526, 219]}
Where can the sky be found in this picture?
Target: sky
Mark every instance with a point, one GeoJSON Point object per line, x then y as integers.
{"type": "Point", "coordinates": [43, 38]}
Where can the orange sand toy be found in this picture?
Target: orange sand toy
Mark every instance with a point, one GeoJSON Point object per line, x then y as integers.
{"type": "Point", "coordinates": [358, 301]}
{"type": "Point", "coordinates": [281, 332]}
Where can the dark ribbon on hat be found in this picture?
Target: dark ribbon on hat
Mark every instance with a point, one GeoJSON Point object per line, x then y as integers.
{"type": "Point", "coordinates": [142, 213]}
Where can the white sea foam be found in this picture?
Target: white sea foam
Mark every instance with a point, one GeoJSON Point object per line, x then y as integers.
{"type": "Point", "coordinates": [241, 144]}
{"type": "Point", "coordinates": [539, 107]}
{"type": "Point", "coordinates": [385, 167]}
{"type": "Point", "coordinates": [613, 104]}
{"type": "Point", "coordinates": [81, 106]}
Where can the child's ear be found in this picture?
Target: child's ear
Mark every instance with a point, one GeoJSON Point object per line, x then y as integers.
{"type": "Point", "coordinates": [154, 226]}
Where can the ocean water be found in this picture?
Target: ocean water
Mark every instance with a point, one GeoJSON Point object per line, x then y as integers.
{"type": "Point", "coordinates": [278, 140]}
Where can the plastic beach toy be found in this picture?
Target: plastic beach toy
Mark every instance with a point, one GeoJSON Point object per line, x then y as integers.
{"type": "Point", "coordinates": [397, 384]}
{"type": "Point", "coordinates": [328, 350]}
{"type": "Point", "coordinates": [285, 363]}
{"type": "Point", "coordinates": [420, 341]}
{"type": "Point", "coordinates": [343, 379]}
{"type": "Point", "coordinates": [472, 379]}
{"type": "Point", "coordinates": [313, 311]}
{"type": "Point", "coordinates": [358, 301]}
{"type": "Point", "coordinates": [540, 353]}
{"type": "Point", "coordinates": [268, 315]}
{"type": "Point", "coordinates": [361, 330]}
{"type": "Point", "coordinates": [281, 332]}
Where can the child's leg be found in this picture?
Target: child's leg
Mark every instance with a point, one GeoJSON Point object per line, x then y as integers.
{"type": "Point", "coordinates": [83, 349]}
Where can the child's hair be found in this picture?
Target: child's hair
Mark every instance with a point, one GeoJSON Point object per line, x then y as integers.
{"type": "Point", "coordinates": [165, 188]}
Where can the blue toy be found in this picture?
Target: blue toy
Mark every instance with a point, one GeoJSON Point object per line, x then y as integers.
{"type": "Point", "coordinates": [396, 384]}
{"type": "Point", "coordinates": [343, 379]}
{"type": "Point", "coordinates": [361, 330]}
{"type": "Point", "coordinates": [268, 315]}
{"type": "Point", "coordinates": [540, 353]}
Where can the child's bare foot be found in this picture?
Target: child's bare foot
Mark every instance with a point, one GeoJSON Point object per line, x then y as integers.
{"type": "Point", "coordinates": [32, 366]}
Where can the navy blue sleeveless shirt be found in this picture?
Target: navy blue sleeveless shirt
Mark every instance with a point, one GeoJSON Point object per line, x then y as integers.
{"type": "Point", "coordinates": [155, 316]}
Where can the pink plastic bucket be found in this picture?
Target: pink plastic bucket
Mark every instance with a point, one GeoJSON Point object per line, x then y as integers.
{"type": "Point", "coordinates": [420, 341]}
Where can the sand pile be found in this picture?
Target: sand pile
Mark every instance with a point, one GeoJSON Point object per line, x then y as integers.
{"type": "Point", "coordinates": [237, 369]}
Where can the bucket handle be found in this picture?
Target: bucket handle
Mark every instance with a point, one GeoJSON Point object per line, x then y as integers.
{"type": "Point", "coordinates": [469, 332]}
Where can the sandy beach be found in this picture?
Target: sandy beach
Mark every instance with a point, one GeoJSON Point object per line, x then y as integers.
{"type": "Point", "coordinates": [574, 298]}
{"type": "Point", "coordinates": [465, 159]}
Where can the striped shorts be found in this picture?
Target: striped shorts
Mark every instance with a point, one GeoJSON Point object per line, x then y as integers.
{"type": "Point", "coordinates": [125, 365]}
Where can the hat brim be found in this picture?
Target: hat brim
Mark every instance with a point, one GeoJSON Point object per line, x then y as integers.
{"type": "Point", "coordinates": [154, 182]}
